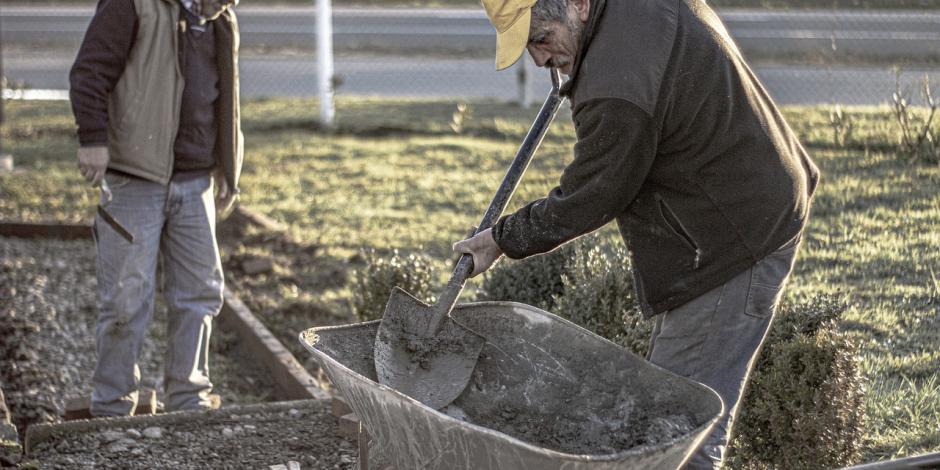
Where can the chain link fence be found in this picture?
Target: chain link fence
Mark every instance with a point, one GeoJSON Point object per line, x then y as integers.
{"type": "Point", "coordinates": [822, 56]}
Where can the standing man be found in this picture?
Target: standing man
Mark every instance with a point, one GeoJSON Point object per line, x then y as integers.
{"type": "Point", "coordinates": [679, 143]}
{"type": "Point", "coordinates": [154, 90]}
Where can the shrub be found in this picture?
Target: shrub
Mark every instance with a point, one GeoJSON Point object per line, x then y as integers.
{"type": "Point", "coordinates": [374, 282]}
{"type": "Point", "coordinates": [535, 281]}
{"type": "Point", "coordinates": [598, 294]}
{"type": "Point", "coordinates": [918, 139]}
{"type": "Point", "coordinates": [842, 124]}
{"type": "Point", "coordinates": [804, 407]}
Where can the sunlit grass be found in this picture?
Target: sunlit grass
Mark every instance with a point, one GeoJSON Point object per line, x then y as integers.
{"type": "Point", "coordinates": [395, 176]}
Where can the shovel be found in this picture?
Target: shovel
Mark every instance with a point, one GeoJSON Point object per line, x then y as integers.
{"type": "Point", "coordinates": [419, 350]}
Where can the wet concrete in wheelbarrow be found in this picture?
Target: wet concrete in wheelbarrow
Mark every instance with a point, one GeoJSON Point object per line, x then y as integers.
{"type": "Point", "coordinates": [548, 383]}
{"type": "Point", "coordinates": [596, 422]}
{"type": "Point", "coordinates": [578, 418]}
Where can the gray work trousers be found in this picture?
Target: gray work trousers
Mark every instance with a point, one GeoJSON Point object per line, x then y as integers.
{"type": "Point", "coordinates": [175, 221]}
{"type": "Point", "coordinates": [715, 339]}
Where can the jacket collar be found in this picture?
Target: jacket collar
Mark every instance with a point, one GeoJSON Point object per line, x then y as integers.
{"type": "Point", "coordinates": [597, 10]}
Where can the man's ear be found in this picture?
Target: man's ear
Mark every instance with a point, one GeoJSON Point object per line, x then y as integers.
{"type": "Point", "coordinates": [582, 8]}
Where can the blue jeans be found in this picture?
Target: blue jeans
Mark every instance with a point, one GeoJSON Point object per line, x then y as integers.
{"type": "Point", "coordinates": [175, 222]}
{"type": "Point", "coordinates": [715, 339]}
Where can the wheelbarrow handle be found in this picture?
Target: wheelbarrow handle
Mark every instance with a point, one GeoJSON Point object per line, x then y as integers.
{"type": "Point", "coordinates": [506, 189]}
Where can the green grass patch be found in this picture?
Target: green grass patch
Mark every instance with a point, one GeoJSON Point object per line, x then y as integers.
{"type": "Point", "coordinates": [394, 175]}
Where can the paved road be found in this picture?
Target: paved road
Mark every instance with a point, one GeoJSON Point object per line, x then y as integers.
{"type": "Point", "coordinates": [26, 31]}
{"type": "Point", "coordinates": [471, 78]}
{"type": "Point", "coordinates": [873, 36]}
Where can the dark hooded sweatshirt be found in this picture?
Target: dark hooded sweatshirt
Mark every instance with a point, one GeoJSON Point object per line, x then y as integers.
{"type": "Point", "coordinates": [679, 142]}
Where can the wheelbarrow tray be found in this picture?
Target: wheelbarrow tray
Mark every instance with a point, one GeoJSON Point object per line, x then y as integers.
{"type": "Point", "coordinates": [545, 394]}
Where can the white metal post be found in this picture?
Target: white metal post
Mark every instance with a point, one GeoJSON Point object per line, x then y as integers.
{"type": "Point", "coordinates": [524, 75]}
{"type": "Point", "coordinates": [325, 61]}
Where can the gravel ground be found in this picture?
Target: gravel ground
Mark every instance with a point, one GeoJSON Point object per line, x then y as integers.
{"type": "Point", "coordinates": [48, 312]}
{"type": "Point", "coordinates": [257, 436]}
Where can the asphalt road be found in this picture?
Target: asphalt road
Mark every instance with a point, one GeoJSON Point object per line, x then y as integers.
{"type": "Point", "coordinates": [871, 35]}
{"type": "Point", "coordinates": [40, 45]}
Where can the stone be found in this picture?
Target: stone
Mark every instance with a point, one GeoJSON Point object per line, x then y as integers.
{"type": "Point", "coordinates": [153, 433]}
{"type": "Point", "coordinates": [292, 465]}
{"type": "Point", "coordinates": [293, 412]}
{"type": "Point", "coordinates": [347, 459]}
{"type": "Point", "coordinates": [133, 433]}
{"type": "Point", "coordinates": [227, 432]}
{"type": "Point", "coordinates": [279, 466]}
{"type": "Point", "coordinates": [6, 163]}
{"type": "Point", "coordinates": [257, 265]}
{"type": "Point", "coordinates": [8, 432]}
{"type": "Point", "coordinates": [117, 448]}
{"type": "Point", "coordinates": [127, 442]}
{"type": "Point", "coordinates": [111, 436]}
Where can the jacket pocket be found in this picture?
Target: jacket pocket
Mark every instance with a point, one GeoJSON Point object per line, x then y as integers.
{"type": "Point", "coordinates": [768, 277]}
{"type": "Point", "coordinates": [675, 226]}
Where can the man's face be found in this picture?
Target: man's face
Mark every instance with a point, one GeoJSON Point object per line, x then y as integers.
{"type": "Point", "coordinates": [556, 44]}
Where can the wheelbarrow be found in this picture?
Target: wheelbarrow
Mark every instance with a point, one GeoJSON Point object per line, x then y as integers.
{"type": "Point", "coordinates": [545, 394]}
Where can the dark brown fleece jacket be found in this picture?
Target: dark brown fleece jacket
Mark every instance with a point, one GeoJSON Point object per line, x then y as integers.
{"type": "Point", "coordinates": [679, 142]}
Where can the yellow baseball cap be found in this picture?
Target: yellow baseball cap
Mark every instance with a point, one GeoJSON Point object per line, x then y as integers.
{"type": "Point", "coordinates": [511, 18]}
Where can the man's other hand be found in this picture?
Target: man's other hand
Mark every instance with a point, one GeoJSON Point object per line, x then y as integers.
{"type": "Point", "coordinates": [93, 163]}
{"type": "Point", "coordinates": [224, 196]}
{"type": "Point", "coordinates": [483, 248]}
{"type": "Point", "coordinates": [211, 9]}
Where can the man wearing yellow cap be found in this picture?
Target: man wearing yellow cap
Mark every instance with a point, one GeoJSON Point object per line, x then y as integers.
{"type": "Point", "coordinates": [680, 144]}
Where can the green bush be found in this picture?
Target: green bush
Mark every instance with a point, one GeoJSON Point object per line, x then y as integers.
{"type": "Point", "coordinates": [535, 281]}
{"type": "Point", "coordinates": [804, 407]}
{"type": "Point", "coordinates": [598, 294]}
{"type": "Point", "coordinates": [374, 282]}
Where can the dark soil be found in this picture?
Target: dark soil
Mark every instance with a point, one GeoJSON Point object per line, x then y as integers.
{"type": "Point", "coordinates": [281, 280]}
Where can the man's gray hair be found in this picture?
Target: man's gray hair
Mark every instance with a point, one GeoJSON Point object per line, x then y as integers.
{"type": "Point", "coordinates": [549, 11]}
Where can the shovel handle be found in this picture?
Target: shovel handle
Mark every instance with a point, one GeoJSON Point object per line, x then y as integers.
{"type": "Point", "coordinates": [503, 194]}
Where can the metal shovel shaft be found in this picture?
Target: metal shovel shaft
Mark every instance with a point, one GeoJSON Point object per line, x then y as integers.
{"type": "Point", "coordinates": [507, 187]}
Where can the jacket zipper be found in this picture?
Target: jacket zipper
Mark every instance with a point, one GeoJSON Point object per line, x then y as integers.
{"type": "Point", "coordinates": [674, 224]}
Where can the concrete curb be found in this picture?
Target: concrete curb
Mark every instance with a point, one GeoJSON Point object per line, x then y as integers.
{"type": "Point", "coordinates": [39, 433]}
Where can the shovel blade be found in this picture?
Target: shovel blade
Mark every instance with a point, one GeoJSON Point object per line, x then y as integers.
{"type": "Point", "coordinates": [431, 367]}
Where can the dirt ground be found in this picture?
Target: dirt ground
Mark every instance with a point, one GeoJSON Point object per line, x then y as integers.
{"type": "Point", "coordinates": [282, 281]}
{"type": "Point", "coordinates": [48, 312]}
{"type": "Point", "coordinates": [257, 436]}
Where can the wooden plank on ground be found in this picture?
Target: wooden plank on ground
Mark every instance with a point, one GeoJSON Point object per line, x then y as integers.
{"type": "Point", "coordinates": [293, 382]}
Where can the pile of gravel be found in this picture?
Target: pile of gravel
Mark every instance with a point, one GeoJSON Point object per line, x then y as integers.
{"type": "Point", "coordinates": [256, 436]}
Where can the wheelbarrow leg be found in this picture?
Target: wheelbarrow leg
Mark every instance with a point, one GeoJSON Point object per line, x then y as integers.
{"type": "Point", "coordinates": [363, 448]}
{"type": "Point", "coordinates": [377, 461]}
